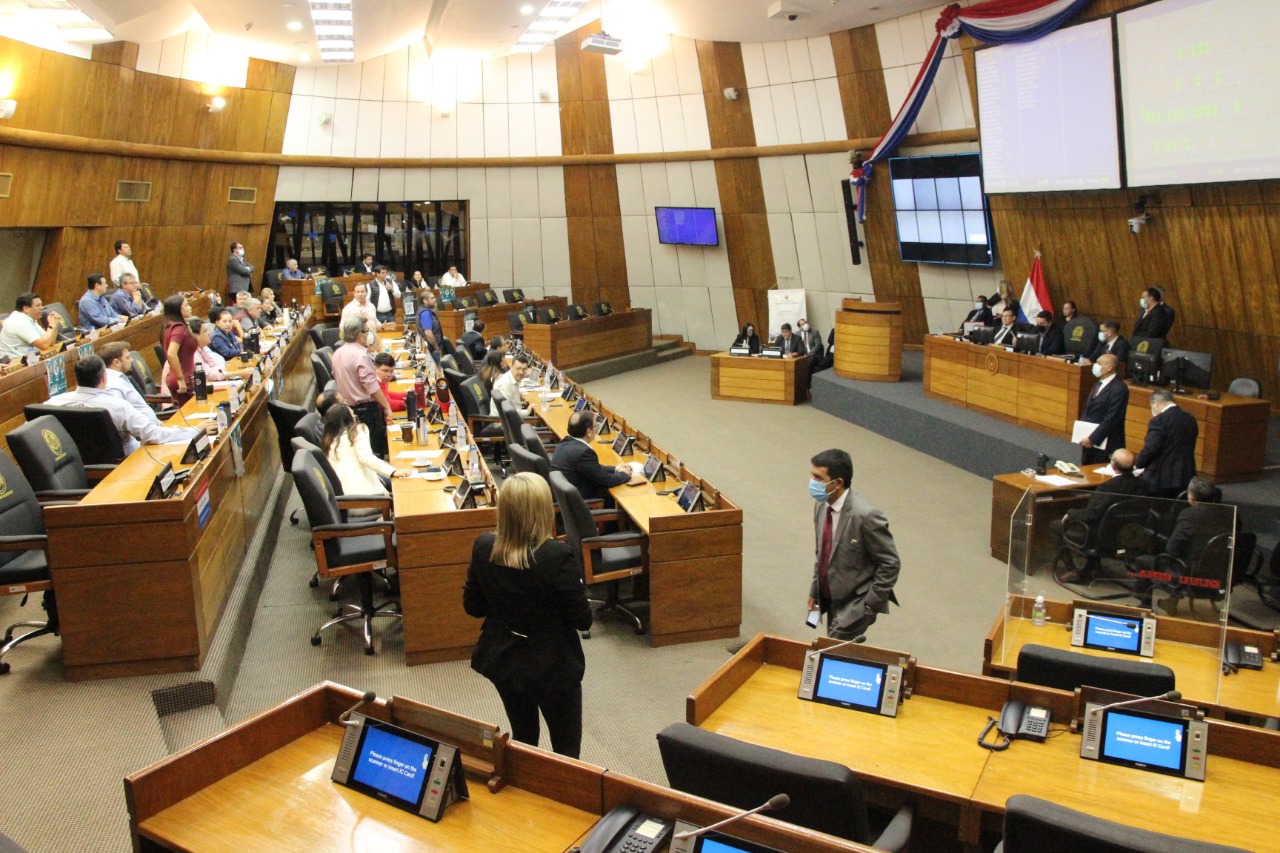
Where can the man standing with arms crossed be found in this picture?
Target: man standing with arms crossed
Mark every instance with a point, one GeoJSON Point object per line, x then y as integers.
{"type": "Point", "coordinates": [857, 562]}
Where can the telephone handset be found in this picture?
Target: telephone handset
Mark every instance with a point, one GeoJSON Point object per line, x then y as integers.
{"type": "Point", "coordinates": [1017, 720]}
{"type": "Point", "coordinates": [1068, 468]}
{"type": "Point", "coordinates": [626, 829]}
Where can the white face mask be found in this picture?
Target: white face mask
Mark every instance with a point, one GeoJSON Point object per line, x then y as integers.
{"type": "Point", "coordinates": [978, 306]}
{"type": "Point", "coordinates": [1142, 302]}
{"type": "Point", "coordinates": [372, 338]}
{"type": "Point", "coordinates": [1102, 336]}
{"type": "Point", "coordinates": [804, 327]}
{"type": "Point", "coordinates": [240, 252]}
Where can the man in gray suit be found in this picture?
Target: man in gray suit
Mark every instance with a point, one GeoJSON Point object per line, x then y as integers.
{"type": "Point", "coordinates": [238, 271]}
{"type": "Point", "coordinates": [857, 563]}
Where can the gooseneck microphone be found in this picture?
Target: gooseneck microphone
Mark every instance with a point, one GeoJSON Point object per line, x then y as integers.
{"type": "Point", "coordinates": [777, 801]}
{"type": "Point", "coordinates": [861, 638]}
{"type": "Point", "coordinates": [369, 696]}
{"type": "Point", "coordinates": [1171, 696]}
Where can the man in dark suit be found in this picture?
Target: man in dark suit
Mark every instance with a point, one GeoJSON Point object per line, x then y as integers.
{"type": "Point", "coordinates": [791, 344]}
{"type": "Point", "coordinates": [1105, 407]}
{"type": "Point", "coordinates": [1168, 457]}
{"type": "Point", "coordinates": [1051, 340]}
{"type": "Point", "coordinates": [980, 313]}
{"type": "Point", "coordinates": [1109, 341]}
{"type": "Point", "coordinates": [1200, 522]}
{"type": "Point", "coordinates": [856, 563]}
{"type": "Point", "coordinates": [1006, 334]}
{"type": "Point", "coordinates": [1156, 318]}
{"type": "Point", "coordinates": [1077, 522]}
{"type": "Point", "coordinates": [238, 271]}
{"type": "Point", "coordinates": [366, 265]}
{"type": "Point", "coordinates": [577, 460]}
{"type": "Point", "coordinates": [474, 341]}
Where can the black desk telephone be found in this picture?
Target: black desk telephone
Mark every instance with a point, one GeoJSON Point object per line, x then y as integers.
{"type": "Point", "coordinates": [626, 830]}
{"type": "Point", "coordinates": [1017, 720]}
{"type": "Point", "coordinates": [1236, 656]}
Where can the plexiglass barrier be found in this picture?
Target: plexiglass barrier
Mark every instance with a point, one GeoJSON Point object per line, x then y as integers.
{"type": "Point", "coordinates": [1121, 576]}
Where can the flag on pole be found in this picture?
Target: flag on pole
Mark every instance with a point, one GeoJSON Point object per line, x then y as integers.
{"type": "Point", "coordinates": [1035, 294]}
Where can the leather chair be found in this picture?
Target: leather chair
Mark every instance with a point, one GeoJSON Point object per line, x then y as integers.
{"type": "Point", "coordinates": [326, 355]}
{"type": "Point", "coordinates": [825, 796]}
{"type": "Point", "coordinates": [602, 309]}
{"type": "Point", "coordinates": [1208, 562]}
{"type": "Point", "coordinates": [466, 364]}
{"type": "Point", "coordinates": [488, 297]}
{"type": "Point", "coordinates": [1124, 532]}
{"type": "Point", "coordinates": [285, 417]}
{"type": "Point", "coordinates": [515, 320]}
{"type": "Point", "coordinates": [357, 548]}
{"type": "Point", "coordinates": [323, 371]}
{"type": "Point", "coordinates": [549, 316]}
{"type": "Point", "coordinates": [51, 461]}
{"type": "Point", "coordinates": [509, 418]}
{"type": "Point", "coordinates": [1032, 825]}
{"type": "Point", "coordinates": [1064, 670]}
{"type": "Point", "coordinates": [446, 348]}
{"type": "Point", "coordinates": [533, 442]}
{"type": "Point", "coordinates": [309, 427]}
{"type": "Point", "coordinates": [473, 403]}
{"type": "Point", "coordinates": [578, 311]}
{"type": "Point", "coordinates": [316, 333]}
{"type": "Point", "coordinates": [603, 558]}
{"type": "Point", "coordinates": [160, 356]}
{"type": "Point", "coordinates": [271, 279]}
{"type": "Point", "coordinates": [1245, 386]}
{"type": "Point", "coordinates": [454, 378]}
{"type": "Point", "coordinates": [334, 296]}
{"type": "Point", "coordinates": [1080, 335]}
{"type": "Point", "coordinates": [94, 433]}
{"type": "Point", "coordinates": [24, 565]}
{"type": "Point", "coordinates": [144, 381]}
{"type": "Point", "coordinates": [513, 295]}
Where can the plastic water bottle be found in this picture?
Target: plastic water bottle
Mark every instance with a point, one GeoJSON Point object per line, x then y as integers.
{"type": "Point", "coordinates": [1038, 614]}
{"type": "Point", "coordinates": [551, 371]}
{"type": "Point", "coordinates": [32, 357]}
{"type": "Point", "coordinates": [473, 465]}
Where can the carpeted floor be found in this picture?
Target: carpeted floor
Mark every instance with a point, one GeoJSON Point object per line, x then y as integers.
{"type": "Point", "coordinates": [758, 455]}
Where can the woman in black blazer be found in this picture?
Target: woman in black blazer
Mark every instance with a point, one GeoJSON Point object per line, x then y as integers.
{"type": "Point", "coordinates": [527, 587]}
{"type": "Point", "coordinates": [748, 339]}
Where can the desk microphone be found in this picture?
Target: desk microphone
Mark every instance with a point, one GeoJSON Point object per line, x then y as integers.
{"type": "Point", "coordinates": [368, 697]}
{"type": "Point", "coordinates": [861, 638]}
{"type": "Point", "coordinates": [777, 801]}
{"type": "Point", "coordinates": [1171, 696]}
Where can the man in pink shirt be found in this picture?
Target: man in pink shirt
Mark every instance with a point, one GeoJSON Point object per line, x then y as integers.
{"type": "Point", "coordinates": [357, 380]}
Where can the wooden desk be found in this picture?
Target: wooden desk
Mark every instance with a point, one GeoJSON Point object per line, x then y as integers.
{"type": "Point", "coordinates": [869, 341]}
{"type": "Point", "coordinates": [134, 604]}
{"type": "Point", "coordinates": [574, 343]}
{"type": "Point", "coordinates": [1232, 444]}
{"type": "Point", "coordinates": [453, 323]}
{"type": "Point", "coordinates": [264, 784]}
{"type": "Point", "coordinates": [752, 379]}
{"type": "Point", "coordinates": [1007, 493]}
{"type": "Point", "coordinates": [1187, 647]}
{"type": "Point", "coordinates": [1044, 394]}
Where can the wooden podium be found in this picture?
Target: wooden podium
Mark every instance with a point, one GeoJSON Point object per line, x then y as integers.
{"type": "Point", "coordinates": [869, 341]}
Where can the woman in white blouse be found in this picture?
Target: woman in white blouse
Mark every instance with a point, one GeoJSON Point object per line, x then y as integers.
{"type": "Point", "coordinates": [346, 442]}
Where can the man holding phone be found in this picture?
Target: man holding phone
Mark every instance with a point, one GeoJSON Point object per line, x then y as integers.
{"type": "Point", "coordinates": [856, 563]}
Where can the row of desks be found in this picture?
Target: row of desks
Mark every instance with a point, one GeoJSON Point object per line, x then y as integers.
{"type": "Point", "coordinates": [928, 754]}
{"type": "Point", "coordinates": [578, 342]}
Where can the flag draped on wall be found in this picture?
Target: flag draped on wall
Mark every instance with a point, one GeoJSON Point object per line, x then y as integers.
{"type": "Point", "coordinates": [992, 22]}
{"type": "Point", "coordinates": [1035, 294]}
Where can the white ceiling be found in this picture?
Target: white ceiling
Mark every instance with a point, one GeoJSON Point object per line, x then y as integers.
{"type": "Point", "coordinates": [487, 27]}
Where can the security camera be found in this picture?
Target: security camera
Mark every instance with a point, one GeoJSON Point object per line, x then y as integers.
{"type": "Point", "coordinates": [1136, 223]}
{"type": "Point", "coordinates": [793, 17]}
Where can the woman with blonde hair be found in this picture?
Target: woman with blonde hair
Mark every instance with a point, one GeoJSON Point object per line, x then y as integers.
{"type": "Point", "coordinates": [1003, 298]}
{"type": "Point", "coordinates": [527, 587]}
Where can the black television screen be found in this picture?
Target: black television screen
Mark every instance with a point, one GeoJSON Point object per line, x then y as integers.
{"type": "Point", "coordinates": [1187, 369]}
{"type": "Point", "coordinates": [687, 226]}
{"type": "Point", "coordinates": [941, 210]}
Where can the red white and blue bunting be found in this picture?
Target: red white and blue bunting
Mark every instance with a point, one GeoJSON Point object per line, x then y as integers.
{"type": "Point", "coordinates": [993, 22]}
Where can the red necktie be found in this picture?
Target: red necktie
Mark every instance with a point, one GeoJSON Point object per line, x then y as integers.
{"type": "Point", "coordinates": [824, 557]}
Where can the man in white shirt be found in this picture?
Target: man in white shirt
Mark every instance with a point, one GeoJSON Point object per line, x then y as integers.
{"type": "Point", "coordinates": [21, 329]}
{"type": "Point", "coordinates": [383, 293]}
{"type": "Point", "coordinates": [135, 431]}
{"type": "Point", "coordinates": [360, 306]}
{"type": "Point", "coordinates": [508, 386]}
{"type": "Point", "coordinates": [119, 361]}
{"type": "Point", "coordinates": [122, 263]}
{"type": "Point", "coordinates": [453, 278]}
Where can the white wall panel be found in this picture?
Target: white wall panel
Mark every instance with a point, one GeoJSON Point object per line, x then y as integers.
{"type": "Point", "coordinates": [479, 249]}
{"type": "Point", "coordinates": [937, 314]}
{"type": "Point", "coordinates": [297, 126]}
{"type": "Point", "coordinates": [657, 192]}
{"type": "Point", "coordinates": [391, 185]}
{"type": "Point", "coordinates": [494, 75]}
{"type": "Point", "coordinates": [396, 80]}
{"type": "Point", "coordinates": [822, 58]}
{"type": "Point", "coordinates": [798, 60]}
{"type": "Point", "coordinates": [500, 275]}
{"type": "Point", "coordinates": [774, 183]}
{"type": "Point", "coordinates": [171, 53]}
{"type": "Point", "coordinates": [526, 253]}
{"type": "Point", "coordinates": [915, 39]}
{"type": "Point", "coordinates": [368, 129]}
{"type": "Point", "coordinates": [523, 192]}
{"type": "Point", "coordinates": [635, 248]}
{"type": "Point", "coordinates": [832, 233]}
{"type": "Point", "coordinates": [697, 136]}
{"type": "Point", "coordinates": [948, 86]}
{"type": "Point", "coordinates": [724, 317]}
{"type": "Point", "coordinates": [444, 134]}
{"type": "Point", "coordinates": [304, 78]}
{"type": "Point", "coordinates": [622, 119]}
{"type": "Point", "coordinates": [551, 191]}
{"type": "Point", "coordinates": [666, 267]}
{"type": "Point", "coordinates": [777, 63]}
{"type": "Point", "coordinates": [832, 111]}
{"type": "Point", "coordinates": [706, 192]}
{"type": "Point", "coordinates": [889, 40]}
{"type": "Point", "coordinates": [783, 239]}
{"type": "Point", "coordinates": [417, 141]}
{"type": "Point", "coordinates": [555, 254]}
{"type": "Point", "coordinates": [693, 269]}
{"type": "Point", "coordinates": [784, 110]}
{"type": "Point", "coordinates": [149, 60]}
{"type": "Point", "coordinates": [754, 65]}
{"type": "Point", "coordinates": [671, 310]}
{"type": "Point", "coordinates": [470, 129]}
{"type": "Point", "coordinates": [823, 191]}
{"type": "Point", "coordinates": [664, 72]}
{"type": "Point", "coordinates": [444, 185]}
{"type": "Point", "coordinates": [393, 128]}
{"type": "Point", "coordinates": [520, 84]}
{"type": "Point", "coordinates": [810, 116]}
{"type": "Point", "coordinates": [373, 78]}
{"type": "Point", "coordinates": [546, 120]}
{"type": "Point", "coordinates": [671, 123]}
{"type": "Point", "coordinates": [444, 84]}
{"type": "Point", "coordinates": [697, 310]}
{"type": "Point", "coordinates": [348, 82]}
{"type": "Point", "coordinates": [617, 78]}
{"type": "Point", "coordinates": [762, 117]}
{"type": "Point", "coordinates": [648, 128]}
{"type": "Point", "coordinates": [470, 81]}
{"type": "Point", "coordinates": [345, 128]}
{"type": "Point", "coordinates": [680, 182]}
{"type": "Point", "coordinates": [194, 54]}
{"type": "Point", "coordinates": [497, 141]}
{"type": "Point", "coordinates": [497, 194]}
{"type": "Point", "coordinates": [471, 186]}
{"type": "Point", "coordinates": [340, 184]}
{"type": "Point", "coordinates": [544, 74]}
{"type": "Point", "coordinates": [364, 185]}
{"type": "Point", "coordinates": [630, 190]}
{"type": "Point", "coordinates": [685, 53]}
{"type": "Point", "coordinates": [289, 183]}
{"type": "Point", "coordinates": [718, 262]}
{"type": "Point", "coordinates": [646, 297]}
{"type": "Point", "coordinates": [807, 253]}
{"type": "Point", "coordinates": [326, 82]}
{"type": "Point", "coordinates": [642, 85]}
{"type": "Point", "coordinates": [796, 178]}
{"type": "Point", "coordinates": [417, 185]}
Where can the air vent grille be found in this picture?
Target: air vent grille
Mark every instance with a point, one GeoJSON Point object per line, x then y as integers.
{"type": "Point", "coordinates": [243, 195]}
{"type": "Point", "coordinates": [133, 191]}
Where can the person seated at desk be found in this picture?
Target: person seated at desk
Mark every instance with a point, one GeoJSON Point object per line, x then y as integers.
{"type": "Point", "coordinates": [453, 279]}
{"type": "Point", "coordinates": [21, 329]}
{"type": "Point", "coordinates": [1105, 407]}
{"type": "Point", "coordinates": [270, 308]}
{"type": "Point", "coordinates": [473, 340]}
{"type": "Point", "coordinates": [748, 339]}
{"type": "Point", "coordinates": [95, 313]}
{"type": "Point", "coordinates": [499, 344]}
{"type": "Point", "coordinates": [360, 306]}
{"type": "Point", "coordinates": [134, 429]}
{"type": "Point", "coordinates": [578, 461]}
{"type": "Point", "coordinates": [215, 366]}
{"type": "Point", "coordinates": [1156, 318]}
{"type": "Point", "coordinates": [1123, 485]}
{"type": "Point", "coordinates": [1196, 525]}
{"type": "Point", "coordinates": [250, 317]}
{"type": "Point", "coordinates": [127, 301]}
{"type": "Point", "coordinates": [419, 283]}
{"type": "Point", "coordinates": [345, 441]}
{"type": "Point", "coordinates": [1051, 340]}
{"type": "Point", "coordinates": [507, 386]}
{"type": "Point", "coordinates": [384, 364]}
{"type": "Point", "coordinates": [980, 314]}
{"type": "Point", "coordinates": [291, 272]}
{"type": "Point", "coordinates": [224, 341]}
{"type": "Point", "coordinates": [526, 586]}
{"type": "Point", "coordinates": [1006, 335]}
{"type": "Point", "coordinates": [790, 344]}
{"type": "Point", "coordinates": [1109, 343]}
{"type": "Point", "coordinates": [118, 361]}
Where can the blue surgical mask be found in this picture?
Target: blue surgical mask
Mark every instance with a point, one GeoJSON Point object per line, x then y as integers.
{"type": "Point", "coordinates": [1097, 370]}
{"type": "Point", "coordinates": [817, 491]}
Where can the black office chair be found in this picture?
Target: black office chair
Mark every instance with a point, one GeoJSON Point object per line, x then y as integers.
{"type": "Point", "coordinates": [1064, 670]}
{"type": "Point", "coordinates": [515, 320]}
{"type": "Point", "coordinates": [357, 548]}
{"type": "Point", "coordinates": [825, 796]}
{"type": "Point", "coordinates": [1124, 533]}
{"type": "Point", "coordinates": [334, 296]}
{"type": "Point", "coordinates": [271, 279]}
{"type": "Point", "coordinates": [466, 364]}
{"type": "Point", "coordinates": [317, 335]}
{"type": "Point", "coordinates": [94, 433]}
{"type": "Point", "coordinates": [1245, 386]}
{"type": "Point", "coordinates": [285, 416]}
{"type": "Point", "coordinates": [549, 316]}
{"type": "Point", "coordinates": [309, 427]}
{"type": "Point", "coordinates": [446, 348]}
{"type": "Point", "coordinates": [607, 558]}
{"type": "Point", "coordinates": [24, 565]}
{"type": "Point", "coordinates": [473, 404]}
{"type": "Point", "coordinates": [1208, 564]}
{"type": "Point", "coordinates": [1032, 825]}
{"type": "Point", "coordinates": [578, 311]}
{"type": "Point", "coordinates": [509, 418]}
{"type": "Point", "coordinates": [1080, 335]}
{"type": "Point", "coordinates": [322, 371]}
{"type": "Point", "coordinates": [602, 309]}
{"type": "Point", "coordinates": [488, 297]}
{"type": "Point", "coordinates": [144, 381]}
{"type": "Point", "coordinates": [50, 460]}
{"type": "Point", "coordinates": [532, 442]}
{"type": "Point", "coordinates": [160, 356]}
{"type": "Point", "coordinates": [513, 294]}
{"type": "Point", "coordinates": [326, 355]}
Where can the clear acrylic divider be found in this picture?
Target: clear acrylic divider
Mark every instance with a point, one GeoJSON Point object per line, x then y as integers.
{"type": "Point", "coordinates": [1123, 557]}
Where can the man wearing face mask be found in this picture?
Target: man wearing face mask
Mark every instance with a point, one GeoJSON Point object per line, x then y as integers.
{"type": "Point", "coordinates": [1155, 319]}
{"type": "Point", "coordinates": [1051, 340]}
{"type": "Point", "coordinates": [238, 272]}
{"type": "Point", "coordinates": [856, 563]}
{"type": "Point", "coordinates": [1109, 342]}
{"type": "Point", "coordinates": [356, 375]}
{"type": "Point", "coordinates": [980, 314]}
{"type": "Point", "coordinates": [812, 345]}
{"type": "Point", "coordinates": [1105, 407]}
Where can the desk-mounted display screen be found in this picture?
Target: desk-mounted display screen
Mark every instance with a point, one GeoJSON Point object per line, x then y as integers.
{"type": "Point", "coordinates": [392, 767]}
{"type": "Point", "coordinates": [851, 684]}
{"type": "Point", "coordinates": [687, 226]}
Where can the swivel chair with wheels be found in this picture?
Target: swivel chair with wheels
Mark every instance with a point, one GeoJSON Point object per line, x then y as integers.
{"type": "Point", "coordinates": [285, 417]}
{"type": "Point", "coordinates": [24, 565]}
{"type": "Point", "coordinates": [1064, 670]}
{"type": "Point", "coordinates": [1032, 825]}
{"type": "Point", "coordinates": [51, 461]}
{"type": "Point", "coordinates": [144, 381]}
{"type": "Point", "coordinates": [322, 370]}
{"type": "Point", "coordinates": [94, 433]}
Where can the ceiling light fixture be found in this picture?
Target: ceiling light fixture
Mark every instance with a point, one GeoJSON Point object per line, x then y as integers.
{"type": "Point", "coordinates": [551, 20]}
{"type": "Point", "coordinates": [335, 30]}
{"type": "Point", "coordinates": [293, 26]}
{"type": "Point", "coordinates": [526, 9]}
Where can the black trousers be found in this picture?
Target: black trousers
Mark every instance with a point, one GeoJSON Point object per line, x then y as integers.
{"type": "Point", "coordinates": [370, 414]}
{"type": "Point", "coordinates": [562, 710]}
{"type": "Point", "coordinates": [1094, 456]}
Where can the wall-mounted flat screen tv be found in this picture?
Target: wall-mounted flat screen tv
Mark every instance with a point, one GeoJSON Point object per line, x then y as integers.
{"type": "Point", "coordinates": [687, 226]}
{"type": "Point", "coordinates": [941, 209]}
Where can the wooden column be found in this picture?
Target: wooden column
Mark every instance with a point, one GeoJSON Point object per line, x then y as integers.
{"type": "Point", "coordinates": [597, 262]}
{"type": "Point", "coordinates": [746, 224]}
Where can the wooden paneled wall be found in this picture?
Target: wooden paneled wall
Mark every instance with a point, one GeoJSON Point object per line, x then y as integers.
{"type": "Point", "coordinates": [597, 260]}
{"type": "Point", "coordinates": [866, 113]}
{"type": "Point", "coordinates": [181, 237]}
{"type": "Point", "coordinates": [746, 224]}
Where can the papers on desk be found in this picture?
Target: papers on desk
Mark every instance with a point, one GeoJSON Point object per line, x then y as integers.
{"type": "Point", "coordinates": [224, 383]}
{"type": "Point", "coordinates": [194, 416]}
{"type": "Point", "coordinates": [1084, 429]}
{"type": "Point", "coordinates": [1108, 471]}
{"type": "Point", "coordinates": [415, 455]}
{"type": "Point", "coordinates": [636, 467]}
{"type": "Point", "coordinates": [1055, 480]}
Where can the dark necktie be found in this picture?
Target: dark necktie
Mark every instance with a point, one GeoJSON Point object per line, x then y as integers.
{"type": "Point", "coordinates": [824, 556]}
